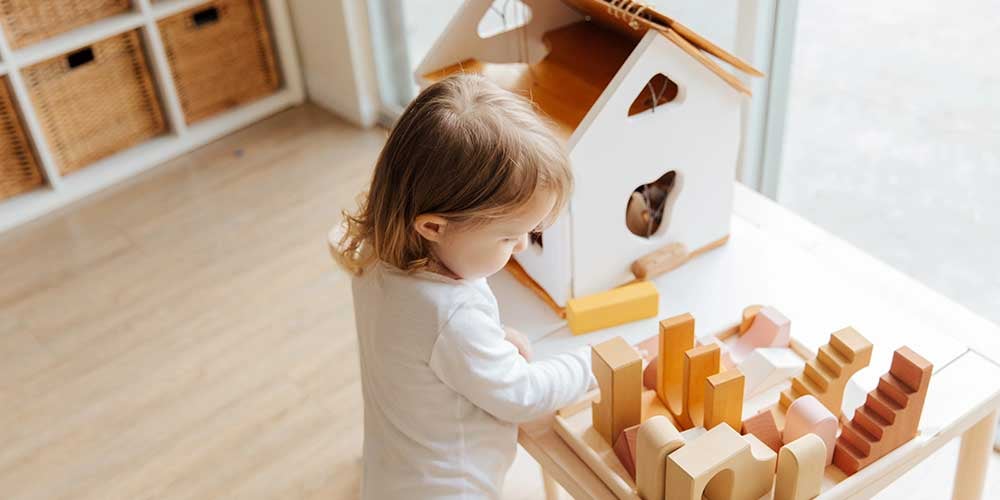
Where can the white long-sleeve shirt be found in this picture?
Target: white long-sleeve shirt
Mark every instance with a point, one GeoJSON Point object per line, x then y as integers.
{"type": "Point", "coordinates": [443, 390]}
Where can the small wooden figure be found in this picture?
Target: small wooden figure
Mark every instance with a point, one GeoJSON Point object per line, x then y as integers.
{"type": "Point", "coordinates": [800, 469]}
{"type": "Point", "coordinates": [808, 416]}
{"type": "Point", "coordinates": [618, 370]}
{"type": "Point", "coordinates": [724, 399]}
{"type": "Point", "coordinates": [721, 465]}
{"type": "Point", "coordinates": [625, 449]}
{"type": "Point", "coordinates": [676, 337]}
{"type": "Point", "coordinates": [765, 428]}
{"type": "Point", "coordinates": [766, 367]}
{"type": "Point", "coordinates": [660, 261]}
{"type": "Point", "coordinates": [617, 306]}
{"type": "Point", "coordinates": [699, 364]}
{"type": "Point", "coordinates": [769, 328]}
{"type": "Point", "coordinates": [826, 375]}
{"type": "Point", "coordinates": [889, 416]}
{"type": "Point", "coordinates": [749, 312]}
{"type": "Point", "coordinates": [656, 439]}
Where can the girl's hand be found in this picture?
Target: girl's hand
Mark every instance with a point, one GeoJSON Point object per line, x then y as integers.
{"type": "Point", "coordinates": [521, 342]}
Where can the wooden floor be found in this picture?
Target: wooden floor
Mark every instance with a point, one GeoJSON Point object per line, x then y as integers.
{"type": "Point", "coordinates": [186, 336]}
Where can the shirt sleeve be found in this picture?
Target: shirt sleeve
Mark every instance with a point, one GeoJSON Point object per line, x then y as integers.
{"type": "Point", "coordinates": [472, 358]}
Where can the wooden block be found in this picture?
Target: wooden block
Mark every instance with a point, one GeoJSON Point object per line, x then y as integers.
{"type": "Point", "coordinates": [748, 314]}
{"type": "Point", "coordinates": [660, 261]}
{"type": "Point", "coordinates": [721, 465]}
{"type": "Point", "coordinates": [890, 415]}
{"type": "Point", "coordinates": [769, 328]}
{"type": "Point", "coordinates": [649, 374]}
{"type": "Point", "coordinates": [614, 307]}
{"type": "Point", "coordinates": [807, 415]}
{"type": "Point", "coordinates": [724, 399]}
{"type": "Point", "coordinates": [767, 367]}
{"type": "Point", "coordinates": [676, 337]}
{"type": "Point", "coordinates": [764, 427]}
{"type": "Point", "coordinates": [699, 364]}
{"type": "Point", "coordinates": [656, 439]}
{"type": "Point", "coordinates": [826, 375]}
{"type": "Point", "coordinates": [625, 449]}
{"type": "Point", "coordinates": [800, 469]}
{"type": "Point", "coordinates": [618, 370]}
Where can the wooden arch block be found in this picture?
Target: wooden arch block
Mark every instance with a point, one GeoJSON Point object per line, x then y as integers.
{"type": "Point", "coordinates": [890, 415]}
{"type": "Point", "coordinates": [721, 465]}
{"type": "Point", "coordinates": [808, 416]}
{"type": "Point", "coordinates": [618, 370]}
{"type": "Point", "coordinates": [676, 337]}
{"type": "Point", "coordinates": [800, 469]}
{"type": "Point", "coordinates": [656, 439]}
{"type": "Point", "coordinates": [826, 375]}
{"type": "Point", "coordinates": [724, 399]}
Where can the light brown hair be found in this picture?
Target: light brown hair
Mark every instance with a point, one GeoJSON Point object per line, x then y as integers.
{"type": "Point", "coordinates": [464, 149]}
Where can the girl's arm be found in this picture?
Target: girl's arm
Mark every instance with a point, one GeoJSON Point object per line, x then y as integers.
{"type": "Point", "coordinates": [472, 357]}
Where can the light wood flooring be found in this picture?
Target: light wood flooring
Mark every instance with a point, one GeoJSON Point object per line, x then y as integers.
{"type": "Point", "coordinates": [186, 336]}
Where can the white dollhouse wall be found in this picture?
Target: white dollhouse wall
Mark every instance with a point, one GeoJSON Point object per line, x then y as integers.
{"type": "Point", "coordinates": [589, 248]}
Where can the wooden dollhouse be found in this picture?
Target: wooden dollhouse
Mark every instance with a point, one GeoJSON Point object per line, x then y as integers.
{"type": "Point", "coordinates": [650, 119]}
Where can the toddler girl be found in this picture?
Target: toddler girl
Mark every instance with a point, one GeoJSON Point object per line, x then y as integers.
{"type": "Point", "coordinates": [468, 173]}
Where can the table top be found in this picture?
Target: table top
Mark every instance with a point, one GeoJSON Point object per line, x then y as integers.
{"type": "Point", "coordinates": [821, 284]}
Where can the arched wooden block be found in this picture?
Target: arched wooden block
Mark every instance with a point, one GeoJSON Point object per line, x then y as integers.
{"type": "Point", "coordinates": [808, 416]}
{"type": "Point", "coordinates": [618, 370]}
{"type": "Point", "coordinates": [721, 465]}
{"type": "Point", "coordinates": [769, 328]}
{"type": "Point", "coordinates": [656, 439]}
{"type": "Point", "coordinates": [800, 469]}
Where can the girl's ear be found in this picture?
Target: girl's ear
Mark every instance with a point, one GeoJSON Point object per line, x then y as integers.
{"type": "Point", "coordinates": [430, 226]}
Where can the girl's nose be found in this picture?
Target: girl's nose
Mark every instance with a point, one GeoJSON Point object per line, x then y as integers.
{"type": "Point", "coordinates": [522, 243]}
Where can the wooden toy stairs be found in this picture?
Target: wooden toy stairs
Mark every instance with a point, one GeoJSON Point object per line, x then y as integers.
{"type": "Point", "coordinates": [889, 416]}
{"type": "Point", "coordinates": [826, 375]}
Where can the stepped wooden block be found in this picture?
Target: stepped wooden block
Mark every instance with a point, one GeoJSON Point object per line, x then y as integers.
{"type": "Point", "coordinates": [769, 328]}
{"type": "Point", "coordinates": [800, 469]}
{"type": "Point", "coordinates": [614, 307]}
{"type": "Point", "coordinates": [656, 439]}
{"type": "Point", "coordinates": [625, 449]}
{"type": "Point", "coordinates": [724, 400]}
{"type": "Point", "coordinates": [807, 415]}
{"type": "Point", "coordinates": [749, 312]}
{"type": "Point", "coordinates": [699, 364]}
{"type": "Point", "coordinates": [765, 368]}
{"type": "Point", "coordinates": [618, 370]}
{"type": "Point", "coordinates": [826, 375]}
{"type": "Point", "coordinates": [765, 428]}
{"type": "Point", "coordinates": [676, 337]}
{"type": "Point", "coordinates": [721, 465]}
{"type": "Point", "coordinates": [890, 415]}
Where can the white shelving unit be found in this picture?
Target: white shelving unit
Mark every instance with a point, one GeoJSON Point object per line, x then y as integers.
{"type": "Point", "coordinates": [181, 137]}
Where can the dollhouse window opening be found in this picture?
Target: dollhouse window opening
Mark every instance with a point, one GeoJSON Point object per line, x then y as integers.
{"type": "Point", "coordinates": [659, 90]}
{"type": "Point", "coordinates": [648, 211]}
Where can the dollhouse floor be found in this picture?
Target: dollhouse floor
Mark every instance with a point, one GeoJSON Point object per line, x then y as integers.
{"type": "Point", "coordinates": [185, 335]}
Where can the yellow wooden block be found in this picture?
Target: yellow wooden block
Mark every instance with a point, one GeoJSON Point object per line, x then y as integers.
{"type": "Point", "coordinates": [614, 307]}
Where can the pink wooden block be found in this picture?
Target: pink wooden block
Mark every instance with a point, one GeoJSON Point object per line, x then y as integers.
{"type": "Point", "coordinates": [807, 415]}
{"type": "Point", "coordinates": [770, 328]}
{"type": "Point", "coordinates": [649, 374]}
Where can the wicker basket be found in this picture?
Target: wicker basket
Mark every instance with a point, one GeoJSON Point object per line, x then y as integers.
{"type": "Point", "coordinates": [95, 101]}
{"type": "Point", "coordinates": [221, 56]}
{"type": "Point", "coordinates": [29, 21]}
{"type": "Point", "coordinates": [18, 168]}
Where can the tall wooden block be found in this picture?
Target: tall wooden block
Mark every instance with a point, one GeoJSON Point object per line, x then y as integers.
{"type": "Point", "coordinates": [724, 399]}
{"type": "Point", "coordinates": [656, 439]}
{"type": "Point", "coordinates": [826, 375]}
{"type": "Point", "coordinates": [800, 469]}
{"type": "Point", "coordinates": [721, 465]}
{"type": "Point", "coordinates": [614, 307]}
{"type": "Point", "coordinates": [699, 364]}
{"type": "Point", "coordinates": [676, 337]}
{"type": "Point", "coordinates": [890, 415]}
{"type": "Point", "coordinates": [808, 416]}
{"type": "Point", "coordinates": [618, 370]}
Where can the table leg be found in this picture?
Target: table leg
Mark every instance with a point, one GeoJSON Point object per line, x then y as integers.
{"type": "Point", "coordinates": [551, 486]}
{"type": "Point", "coordinates": [973, 458]}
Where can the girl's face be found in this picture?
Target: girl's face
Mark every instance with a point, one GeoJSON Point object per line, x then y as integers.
{"type": "Point", "coordinates": [483, 250]}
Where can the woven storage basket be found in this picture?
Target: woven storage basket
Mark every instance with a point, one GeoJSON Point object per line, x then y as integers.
{"type": "Point", "coordinates": [96, 100]}
{"type": "Point", "coordinates": [221, 56]}
{"type": "Point", "coordinates": [18, 168]}
{"type": "Point", "coordinates": [29, 21]}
